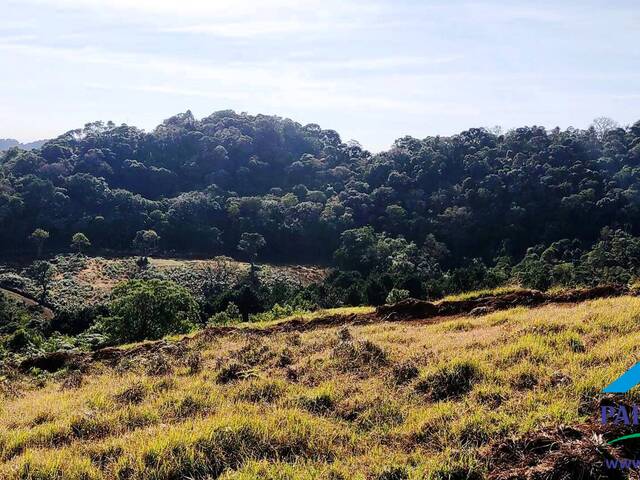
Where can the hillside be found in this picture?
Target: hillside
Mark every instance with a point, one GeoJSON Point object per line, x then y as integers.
{"type": "Point", "coordinates": [468, 211]}
{"type": "Point", "coordinates": [84, 281]}
{"type": "Point", "coordinates": [7, 143]}
{"type": "Point", "coordinates": [509, 394]}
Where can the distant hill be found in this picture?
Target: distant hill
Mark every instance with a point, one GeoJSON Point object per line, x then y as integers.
{"type": "Point", "coordinates": [7, 143]}
{"type": "Point", "coordinates": [478, 199]}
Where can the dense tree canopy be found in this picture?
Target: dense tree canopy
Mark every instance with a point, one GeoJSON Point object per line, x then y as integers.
{"type": "Point", "coordinates": [200, 184]}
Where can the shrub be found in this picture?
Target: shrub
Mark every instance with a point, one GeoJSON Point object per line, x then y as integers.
{"type": "Point", "coordinates": [73, 381]}
{"type": "Point", "coordinates": [158, 365]}
{"type": "Point", "coordinates": [234, 371]}
{"type": "Point", "coordinates": [253, 353]}
{"type": "Point", "coordinates": [73, 321]}
{"type": "Point", "coordinates": [262, 391]}
{"type": "Point", "coordinates": [393, 473]}
{"type": "Point", "coordinates": [380, 413]}
{"type": "Point", "coordinates": [22, 340]}
{"type": "Point", "coordinates": [524, 377]}
{"type": "Point", "coordinates": [230, 315]}
{"type": "Point", "coordinates": [320, 402]}
{"type": "Point", "coordinates": [134, 394]}
{"type": "Point", "coordinates": [404, 372]}
{"type": "Point", "coordinates": [150, 309]}
{"type": "Point", "coordinates": [194, 362]}
{"type": "Point", "coordinates": [360, 354]}
{"type": "Point", "coordinates": [396, 295]}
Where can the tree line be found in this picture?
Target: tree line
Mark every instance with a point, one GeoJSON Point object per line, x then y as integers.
{"type": "Point", "coordinates": [482, 202]}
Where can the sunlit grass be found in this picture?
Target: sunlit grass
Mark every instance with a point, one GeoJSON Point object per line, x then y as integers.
{"type": "Point", "coordinates": [306, 316]}
{"type": "Point", "coordinates": [371, 401]}
{"type": "Point", "coordinates": [480, 293]}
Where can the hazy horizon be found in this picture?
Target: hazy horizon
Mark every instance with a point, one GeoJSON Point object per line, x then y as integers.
{"type": "Point", "coordinates": [373, 71]}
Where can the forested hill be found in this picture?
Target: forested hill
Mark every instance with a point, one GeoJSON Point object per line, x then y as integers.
{"type": "Point", "coordinates": [7, 143]}
{"type": "Point", "coordinates": [201, 183]}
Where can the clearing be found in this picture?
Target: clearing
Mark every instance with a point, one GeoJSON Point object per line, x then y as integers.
{"type": "Point", "coordinates": [81, 281]}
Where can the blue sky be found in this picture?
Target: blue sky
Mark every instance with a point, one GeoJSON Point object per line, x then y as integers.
{"type": "Point", "coordinates": [373, 70]}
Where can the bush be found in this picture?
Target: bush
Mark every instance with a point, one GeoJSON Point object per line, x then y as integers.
{"type": "Point", "coordinates": [404, 372]}
{"type": "Point", "coordinates": [150, 309]}
{"type": "Point", "coordinates": [73, 321]}
{"type": "Point", "coordinates": [360, 354]}
{"type": "Point", "coordinates": [393, 473]}
{"type": "Point", "coordinates": [23, 339]}
{"type": "Point", "coordinates": [262, 391]}
{"type": "Point", "coordinates": [234, 371]}
{"type": "Point", "coordinates": [230, 315]}
{"type": "Point", "coordinates": [396, 295]}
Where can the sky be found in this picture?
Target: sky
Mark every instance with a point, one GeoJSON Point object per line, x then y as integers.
{"type": "Point", "coordinates": [372, 70]}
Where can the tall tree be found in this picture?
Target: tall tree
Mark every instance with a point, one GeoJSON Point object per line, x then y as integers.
{"type": "Point", "coordinates": [146, 241]}
{"type": "Point", "coordinates": [42, 273]}
{"type": "Point", "coordinates": [250, 244]}
{"type": "Point", "coordinates": [79, 242]}
{"type": "Point", "coordinates": [39, 237]}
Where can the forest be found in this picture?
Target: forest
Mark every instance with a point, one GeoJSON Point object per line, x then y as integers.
{"type": "Point", "coordinates": [427, 218]}
{"type": "Point", "coordinates": [479, 207]}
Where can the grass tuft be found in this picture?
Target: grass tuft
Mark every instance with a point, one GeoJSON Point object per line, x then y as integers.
{"type": "Point", "coordinates": [451, 380]}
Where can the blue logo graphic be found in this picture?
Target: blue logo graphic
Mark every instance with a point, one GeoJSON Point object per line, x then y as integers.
{"type": "Point", "coordinates": [626, 381]}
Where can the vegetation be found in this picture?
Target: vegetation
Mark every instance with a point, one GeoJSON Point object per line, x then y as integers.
{"type": "Point", "coordinates": [151, 309]}
{"type": "Point", "coordinates": [42, 273]}
{"type": "Point", "coordinates": [79, 242]}
{"type": "Point", "coordinates": [456, 212]}
{"type": "Point", "coordinates": [39, 237]}
{"type": "Point", "coordinates": [405, 399]}
{"type": "Point", "coordinates": [288, 391]}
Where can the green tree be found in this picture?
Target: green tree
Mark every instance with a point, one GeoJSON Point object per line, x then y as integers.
{"type": "Point", "coordinates": [151, 309]}
{"type": "Point", "coordinates": [532, 272]}
{"type": "Point", "coordinates": [79, 242]}
{"type": "Point", "coordinates": [146, 241]}
{"type": "Point", "coordinates": [248, 301]}
{"type": "Point", "coordinates": [42, 273]}
{"type": "Point", "coordinates": [396, 295]}
{"type": "Point", "coordinates": [39, 237]}
{"type": "Point", "coordinates": [250, 244]}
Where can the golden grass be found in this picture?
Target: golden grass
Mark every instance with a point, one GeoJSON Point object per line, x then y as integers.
{"type": "Point", "coordinates": [386, 400]}
{"type": "Point", "coordinates": [308, 316]}
{"type": "Point", "coordinates": [481, 293]}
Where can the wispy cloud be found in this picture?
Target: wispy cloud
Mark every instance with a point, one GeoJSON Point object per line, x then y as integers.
{"type": "Point", "coordinates": [233, 20]}
{"type": "Point", "coordinates": [280, 84]}
{"type": "Point", "coordinates": [256, 70]}
{"type": "Point", "coordinates": [372, 69]}
{"type": "Point", "coordinates": [183, 8]}
{"type": "Point", "coordinates": [249, 29]}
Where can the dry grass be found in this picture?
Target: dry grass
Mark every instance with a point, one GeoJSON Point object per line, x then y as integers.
{"type": "Point", "coordinates": [380, 401]}
{"type": "Point", "coordinates": [481, 293]}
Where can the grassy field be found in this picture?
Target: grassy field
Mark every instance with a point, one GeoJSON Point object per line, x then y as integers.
{"type": "Point", "coordinates": [387, 401]}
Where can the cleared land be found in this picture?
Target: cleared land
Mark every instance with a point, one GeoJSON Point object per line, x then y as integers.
{"type": "Point", "coordinates": [81, 281]}
{"type": "Point", "coordinates": [508, 394]}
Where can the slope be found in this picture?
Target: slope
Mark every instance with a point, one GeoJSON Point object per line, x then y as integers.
{"type": "Point", "coordinates": [508, 394]}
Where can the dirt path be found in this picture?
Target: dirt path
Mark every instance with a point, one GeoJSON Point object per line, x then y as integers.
{"type": "Point", "coordinates": [28, 302]}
